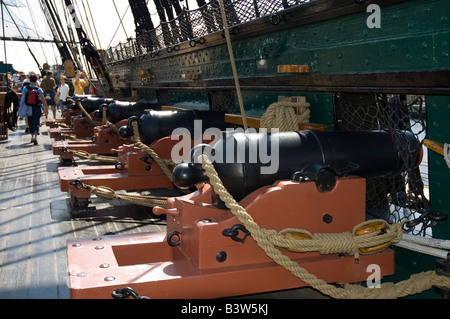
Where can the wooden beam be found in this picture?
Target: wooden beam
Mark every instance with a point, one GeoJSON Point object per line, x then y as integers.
{"type": "Point", "coordinates": [237, 120]}
{"type": "Point", "coordinates": [409, 82]}
{"type": "Point", "coordinates": [255, 122]}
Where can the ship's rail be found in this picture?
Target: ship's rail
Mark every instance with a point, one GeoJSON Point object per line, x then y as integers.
{"type": "Point", "coordinates": [194, 24]}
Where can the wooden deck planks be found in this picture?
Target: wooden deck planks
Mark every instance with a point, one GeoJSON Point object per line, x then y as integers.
{"type": "Point", "coordinates": [35, 223]}
{"type": "Point", "coordinates": [28, 255]}
{"type": "Point", "coordinates": [35, 220]}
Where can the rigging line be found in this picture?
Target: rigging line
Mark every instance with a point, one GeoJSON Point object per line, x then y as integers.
{"type": "Point", "coordinates": [54, 23]}
{"type": "Point", "coordinates": [55, 47]}
{"type": "Point", "coordinates": [62, 31]}
{"type": "Point", "coordinates": [86, 65]}
{"type": "Point", "coordinates": [88, 23]}
{"type": "Point", "coordinates": [33, 20]}
{"type": "Point", "coordinates": [93, 23]}
{"type": "Point", "coordinates": [83, 24]}
{"type": "Point", "coordinates": [26, 43]}
{"type": "Point", "coordinates": [114, 2]}
{"type": "Point", "coordinates": [4, 35]}
{"type": "Point", "coordinates": [233, 63]}
{"type": "Point", "coordinates": [69, 40]}
{"type": "Point", "coordinates": [69, 27]}
{"type": "Point", "coordinates": [83, 38]}
{"type": "Point", "coordinates": [117, 29]}
{"type": "Point", "coordinates": [72, 43]}
{"type": "Point", "coordinates": [51, 16]}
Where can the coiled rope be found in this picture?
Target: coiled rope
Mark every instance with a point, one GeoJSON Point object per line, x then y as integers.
{"type": "Point", "coordinates": [269, 239]}
{"type": "Point", "coordinates": [283, 115]}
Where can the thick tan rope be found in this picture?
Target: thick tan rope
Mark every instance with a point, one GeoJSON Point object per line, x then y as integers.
{"type": "Point", "coordinates": [113, 126]}
{"type": "Point", "coordinates": [263, 237]}
{"type": "Point", "coordinates": [233, 64]}
{"type": "Point", "coordinates": [106, 122]}
{"type": "Point", "coordinates": [334, 243]}
{"type": "Point", "coordinates": [89, 117]}
{"type": "Point", "coordinates": [142, 200]}
{"type": "Point", "coordinates": [152, 153]}
{"type": "Point", "coordinates": [283, 115]}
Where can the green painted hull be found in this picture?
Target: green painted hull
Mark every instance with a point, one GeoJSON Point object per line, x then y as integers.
{"type": "Point", "coordinates": [408, 54]}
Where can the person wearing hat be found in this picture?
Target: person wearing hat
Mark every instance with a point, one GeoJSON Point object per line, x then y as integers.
{"type": "Point", "coordinates": [48, 84]}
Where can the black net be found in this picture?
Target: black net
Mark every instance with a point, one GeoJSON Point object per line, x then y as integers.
{"type": "Point", "coordinates": [195, 24]}
{"type": "Point", "coordinates": [405, 196]}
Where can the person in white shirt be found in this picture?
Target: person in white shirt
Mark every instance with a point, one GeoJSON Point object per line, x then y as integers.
{"type": "Point", "coordinates": [63, 90]}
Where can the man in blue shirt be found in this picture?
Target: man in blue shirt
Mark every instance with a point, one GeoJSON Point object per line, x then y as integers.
{"type": "Point", "coordinates": [34, 108]}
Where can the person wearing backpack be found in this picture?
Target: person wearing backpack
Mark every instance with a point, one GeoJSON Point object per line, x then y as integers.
{"type": "Point", "coordinates": [33, 98]}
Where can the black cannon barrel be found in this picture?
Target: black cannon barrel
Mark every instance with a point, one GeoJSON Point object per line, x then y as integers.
{"type": "Point", "coordinates": [154, 125]}
{"type": "Point", "coordinates": [119, 110]}
{"type": "Point", "coordinates": [368, 154]}
{"type": "Point", "coordinates": [91, 104]}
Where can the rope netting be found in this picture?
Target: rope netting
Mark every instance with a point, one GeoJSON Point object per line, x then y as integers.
{"type": "Point", "coordinates": [194, 24]}
{"type": "Point", "coordinates": [403, 197]}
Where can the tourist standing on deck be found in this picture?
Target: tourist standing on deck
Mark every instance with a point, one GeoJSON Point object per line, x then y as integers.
{"type": "Point", "coordinates": [32, 96]}
{"type": "Point", "coordinates": [19, 84]}
{"type": "Point", "coordinates": [48, 84]}
{"type": "Point", "coordinates": [39, 80]}
{"type": "Point", "coordinates": [22, 112]}
{"type": "Point", "coordinates": [7, 81]}
{"type": "Point", "coordinates": [78, 83]}
{"type": "Point", "coordinates": [63, 91]}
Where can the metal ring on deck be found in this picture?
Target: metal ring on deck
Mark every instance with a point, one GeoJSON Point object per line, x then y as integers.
{"type": "Point", "coordinates": [171, 235]}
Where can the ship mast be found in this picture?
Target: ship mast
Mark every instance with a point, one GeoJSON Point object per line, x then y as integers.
{"type": "Point", "coordinates": [3, 5]}
{"type": "Point", "coordinates": [60, 38]}
{"type": "Point", "coordinates": [91, 54]}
